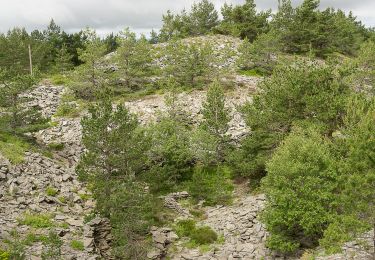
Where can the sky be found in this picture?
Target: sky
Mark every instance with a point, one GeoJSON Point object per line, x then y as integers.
{"type": "Point", "coordinates": [140, 15]}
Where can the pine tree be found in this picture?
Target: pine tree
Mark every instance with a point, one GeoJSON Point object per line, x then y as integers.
{"type": "Point", "coordinates": [18, 117]}
{"type": "Point", "coordinates": [203, 17]}
{"type": "Point", "coordinates": [215, 121]}
{"type": "Point", "coordinates": [90, 76]}
{"type": "Point", "coordinates": [134, 59]}
{"type": "Point", "coordinates": [63, 60]}
{"type": "Point", "coordinates": [115, 155]}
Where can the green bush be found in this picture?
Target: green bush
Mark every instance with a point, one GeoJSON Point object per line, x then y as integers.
{"type": "Point", "coordinates": [300, 187]}
{"type": "Point", "coordinates": [184, 228]}
{"type": "Point", "coordinates": [67, 110]}
{"type": "Point", "coordinates": [212, 185]}
{"type": "Point", "coordinates": [56, 146]}
{"type": "Point", "coordinates": [59, 79]}
{"type": "Point", "coordinates": [204, 236]}
{"type": "Point", "coordinates": [198, 235]}
{"type": "Point", "coordinates": [77, 245]}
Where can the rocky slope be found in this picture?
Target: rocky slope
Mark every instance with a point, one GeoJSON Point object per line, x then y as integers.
{"type": "Point", "coordinates": [25, 190]}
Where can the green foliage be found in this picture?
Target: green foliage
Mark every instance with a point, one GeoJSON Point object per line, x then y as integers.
{"type": "Point", "coordinates": [184, 228]}
{"type": "Point", "coordinates": [300, 186]}
{"type": "Point", "coordinates": [215, 120]}
{"type": "Point", "coordinates": [261, 55]}
{"type": "Point", "coordinates": [60, 79]}
{"type": "Point", "coordinates": [243, 21]}
{"type": "Point", "coordinates": [56, 146]}
{"type": "Point", "coordinates": [90, 77]}
{"type": "Point", "coordinates": [189, 64]}
{"type": "Point", "coordinates": [36, 220]}
{"type": "Point", "coordinates": [50, 191]}
{"type": "Point", "coordinates": [77, 245]}
{"type": "Point", "coordinates": [15, 247]}
{"type": "Point", "coordinates": [306, 29]}
{"type": "Point", "coordinates": [18, 117]}
{"type": "Point", "coordinates": [198, 235]}
{"type": "Point", "coordinates": [13, 147]}
{"type": "Point", "coordinates": [134, 58]}
{"type": "Point", "coordinates": [296, 93]}
{"type": "Point", "coordinates": [63, 60]}
{"type": "Point", "coordinates": [114, 157]}
{"type": "Point", "coordinates": [52, 246]}
{"type": "Point", "coordinates": [4, 255]}
{"type": "Point", "coordinates": [213, 185]}
{"type": "Point", "coordinates": [201, 20]}
{"type": "Point", "coordinates": [170, 155]}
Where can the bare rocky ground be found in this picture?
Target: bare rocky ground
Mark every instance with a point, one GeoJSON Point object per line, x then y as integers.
{"type": "Point", "coordinates": [23, 190]}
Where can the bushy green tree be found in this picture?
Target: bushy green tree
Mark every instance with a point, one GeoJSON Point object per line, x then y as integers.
{"type": "Point", "coordinates": [243, 21]}
{"type": "Point", "coordinates": [214, 140]}
{"type": "Point", "coordinates": [203, 17]}
{"type": "Point", "coordinates": [170, 156]}
{"type": "Point", "coordinates": [199, 21]}
{"type": "Point", "coordinates": [90, 76]}
{"type": "Point", "coordinates": [63, 60]}
{"type": "Point", "coordinates": [189, 63]}
{"type": "Point", "coordinates": [300, 185]}
{"type": "Point", "coordinates": [300, 91]}
{"type": "Point", "coordinates": [261, 55]}
{"type": "Point", "coordinates": [134, 59]}
{"type": "Point", "coordinates": [18, 117]}
{"type": "Point", "coordinates": [115, 155]}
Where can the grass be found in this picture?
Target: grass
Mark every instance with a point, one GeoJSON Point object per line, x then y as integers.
{"type": "Point", "coordinates": [36, 220]}
{"type": "Point", "coordinates": [85, 196]}
{"type": "Point", "coordinates": [51, 192]}
{"type": "Point", "coordinates": [77, 245]}
{"type": "Point", "coordinates": [251, 73]}
{"type": "Point", "coordinates": [59, 79]}
{"type": "Point", "coordinates": [67, 110]}
{"type": "Point", "coordinates": [13, 147]}
{"type": "Point", "coordinates": [4, 255]}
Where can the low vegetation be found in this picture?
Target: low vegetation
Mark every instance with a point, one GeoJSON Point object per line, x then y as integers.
{"type": "Point", "coordinates": [198, 235]}
{"type": "Point", "coordinates": [36, 220]}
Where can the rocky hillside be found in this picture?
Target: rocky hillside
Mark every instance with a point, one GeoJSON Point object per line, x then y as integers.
{"type": "Point", "coordinates": [43, 194]}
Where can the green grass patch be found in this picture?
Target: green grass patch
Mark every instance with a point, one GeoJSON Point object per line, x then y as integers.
{"type": "Point", "coordinates": [36, 220]}
{"type": "Point", "coordinates": [59, 79]}
{"type": "Point", "coordinates": [77, 245]}
{"type": "Point", "coordinates": [13, 147]}
{"type": "Point", "coordinates": [251, 73]}
{"type": "Point", "coordinates": [67, 110]}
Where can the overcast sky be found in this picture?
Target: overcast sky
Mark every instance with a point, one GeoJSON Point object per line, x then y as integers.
{"type": "Point", "coordinates": [140, 15]}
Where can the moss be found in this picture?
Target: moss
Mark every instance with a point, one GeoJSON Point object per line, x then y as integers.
{"type": "Point", "coordinates": [36, 220]}
{"type": "Point", "coordinates": [59, 79]}
{"type": "Point", "coordinates": [77, 245]}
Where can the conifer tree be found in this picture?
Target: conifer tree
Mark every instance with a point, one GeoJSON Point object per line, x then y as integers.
{"type": "Point", "coordinates": [90, 76]}
{"type": "Point", "coordinates": [63, 60]}
{"type": "Point", "coordinates": [134, 59]}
